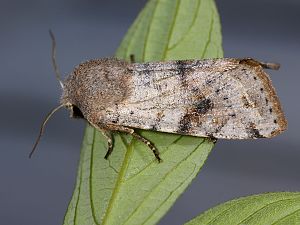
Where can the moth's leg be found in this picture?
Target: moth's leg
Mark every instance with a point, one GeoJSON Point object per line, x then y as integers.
{"type": "Point", "coordinates": [149, 144]}
{"type": "Point", "coordinates": [213, 140]}
{"type": "Point", "coordinates": [110, 142]}
{"type": "Point", "coordinates": [132, 58]}
{"type": "Point", "coordinates": [139, 137]}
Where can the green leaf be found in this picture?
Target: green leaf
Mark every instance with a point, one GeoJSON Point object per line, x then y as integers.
{"type": "Point", "coordinates": [282, 208]}
{"type": "Point", "coordinates": [131, 187]}
{"type": "Point", "coordinates": [174, 29]}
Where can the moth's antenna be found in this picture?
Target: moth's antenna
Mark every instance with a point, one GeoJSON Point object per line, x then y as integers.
{"type": "Point", "coordinates": [43, 127]}
{"type": "Point", "coordinates": [57, 73]}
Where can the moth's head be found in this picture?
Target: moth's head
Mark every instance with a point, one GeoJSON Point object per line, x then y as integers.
{"type": "Point", "coordinates": [95, 85]}
{"type": "Point", "coordinates": [75, 112]}
{"type": "Point", "coordinates": [90, 88]}
{"type": "Point", "coordinates": [84, 90]}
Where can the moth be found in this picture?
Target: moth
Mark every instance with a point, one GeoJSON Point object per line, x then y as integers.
{"type": "Point", "coordinates": [225, 98]}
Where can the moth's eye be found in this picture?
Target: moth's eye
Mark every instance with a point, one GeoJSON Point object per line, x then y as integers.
{"type": "Point", "coordinates": [76, 113]}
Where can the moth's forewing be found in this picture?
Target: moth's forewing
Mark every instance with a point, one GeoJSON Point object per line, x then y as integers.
{"type": "Point", "coordinates": [221, 98]}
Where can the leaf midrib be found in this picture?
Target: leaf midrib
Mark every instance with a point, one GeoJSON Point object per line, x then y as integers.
{"type": "Point", "coordinates": [170, 194]}
{"type": "Point", "coordinates": [119, 181]}
{"type": "Point", "coordinates": [162, 179]}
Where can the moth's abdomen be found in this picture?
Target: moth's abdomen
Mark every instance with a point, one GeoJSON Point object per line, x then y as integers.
{"type": "Point", "coordinates": [222, 98]}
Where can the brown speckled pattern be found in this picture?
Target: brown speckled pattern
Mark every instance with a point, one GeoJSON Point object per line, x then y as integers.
{"type": "Point", "coordinates": [221, 98]}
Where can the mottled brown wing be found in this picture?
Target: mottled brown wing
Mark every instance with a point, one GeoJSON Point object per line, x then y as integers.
{"type": "Point", "coordinates": [221, 98]}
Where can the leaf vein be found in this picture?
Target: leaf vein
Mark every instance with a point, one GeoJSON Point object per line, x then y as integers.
{"type": "Point", "coordinates": [171, 28]}
{"type": "Point", "coordinates": [118, 183]}
{"type": "Point", "coordinates": [268, 204]}
{"type": "Point", "coordinates": [163, 179]}
{"type": "Point", "coordinates": [190, 27]}
{"type": "Point", "coordinates": [153, 161]}
{"type": "Point", "coordinates": [91, 179]}
{"type": "Point", "coordinates": [233, 204]}
{"type": "Point", "coordinates": [148, 30]}
{"type": "Point", "coordinates": [209, 35]}
{"type": "Point", "coordinates": [79, 192]}
{"type": "Point", "coordinates": [283, 218]}
{"type": "Point", "coordinates": [134, 29]}
{"type": "Point", "coordinates": [169, 195]}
